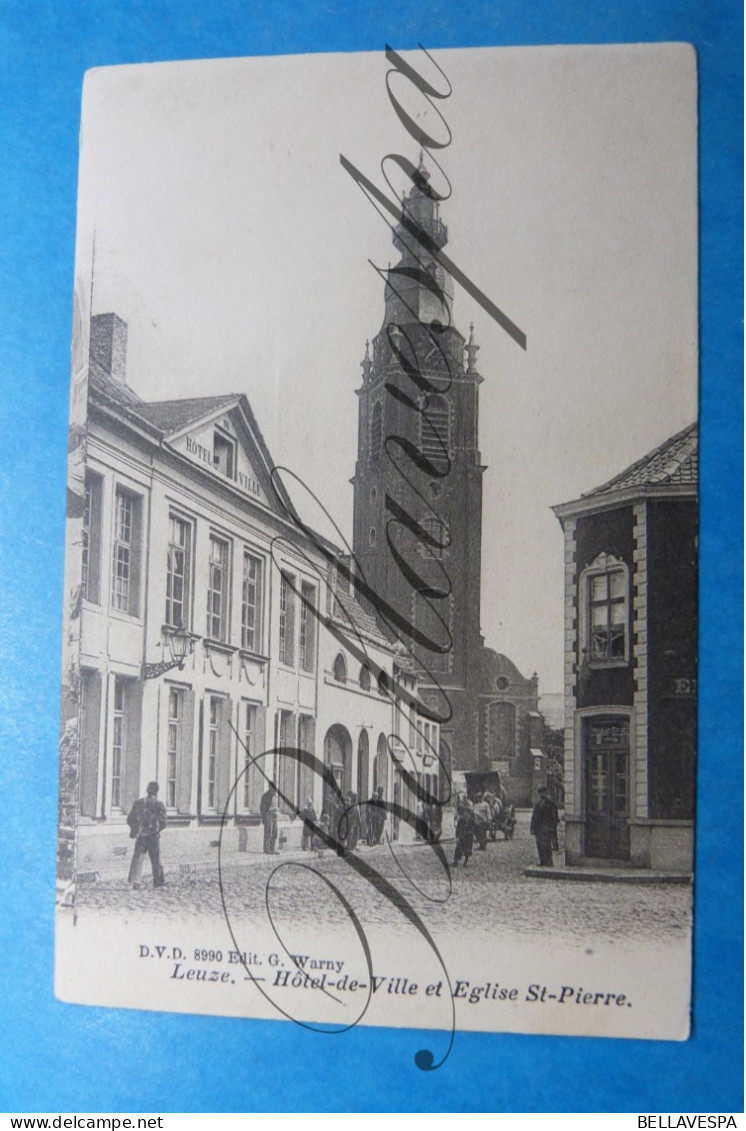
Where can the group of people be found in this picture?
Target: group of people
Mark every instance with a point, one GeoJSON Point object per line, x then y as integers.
{"type": "Point", "coordinates": [342, 819]}
{"type": "Point", "coordinates": [347, 823]}
{"type": "Point", "coordinates": [473, 819]}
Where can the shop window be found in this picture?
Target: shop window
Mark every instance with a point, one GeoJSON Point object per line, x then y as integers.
{"type": "Point", "coordinates": [213, 751]}
{"type": "Point", "coordinates": [250, 768]}
{"type": "Point", "coordinates": [118, 741]}
{"type": "Point", "coordinates": [174, 743]}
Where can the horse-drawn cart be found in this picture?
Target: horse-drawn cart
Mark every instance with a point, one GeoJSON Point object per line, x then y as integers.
{"type": "Point", "coordinates": [493, 811]}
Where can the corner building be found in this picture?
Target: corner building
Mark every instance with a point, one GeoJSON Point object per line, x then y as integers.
{"type": "Point", "coordinates": [418, 509]}
{"type": "Point", "coordinates": [631, 662]}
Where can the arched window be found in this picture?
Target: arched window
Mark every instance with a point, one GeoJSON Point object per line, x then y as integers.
{"type": "Point", "coordinates": [435, 429]}
{"type": "Point", "coordinates": [605, 610]}
{"type": "Point", "coordinates": [340, 669]}
{"type": "Point", "coordinates": [365, 677]}
{"type": "Point", "coordinates": [501, 721]}
{"type": "Point", "coordinates": [376, 429]}
{"type": "Point", "coordinates": [383, 684]}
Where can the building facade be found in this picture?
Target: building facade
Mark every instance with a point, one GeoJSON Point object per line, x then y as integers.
{"type": "Point", "coordinates": [631, 662]}
{"type": "Point", "coordinates": [182, 531]}
{"type": "Point", "coordinates": [418, 507]}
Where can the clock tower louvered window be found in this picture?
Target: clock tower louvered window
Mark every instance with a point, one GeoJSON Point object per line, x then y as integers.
{"type": "Point", "coordinates": [435, 432]}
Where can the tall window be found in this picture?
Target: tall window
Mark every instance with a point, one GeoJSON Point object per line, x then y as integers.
{"type": "Point", "coordinates": [118, 739]}
{"type": "Point", "coordinates": [213, 748]}
{"type": "Point", "coordinates": [249, 740]}
{"type": "Point", "coordinates": [307, 633]}
{"type": "Point", "coordinates": [251, 603]}
{"type": "Point", "coordinates": [175, 725]}
{"type": "Point", "coordinates": [218, 589]}
{"type": "Point", "coordinates": [91, 539]}
{"type": "Point", "coordinates": [177, 572]}
{"type": "Point", "coordinates": [435, 431]}
{"type": "Point", "coordinates": [607, 614]}
{"type": "Point", "coordinates": [287, 619]}
{"type": "Point", "coordinates": [125, 553]}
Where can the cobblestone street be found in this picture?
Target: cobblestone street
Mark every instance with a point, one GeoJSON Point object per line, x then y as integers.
{"type": "Point", "coordinates": [491, 895]}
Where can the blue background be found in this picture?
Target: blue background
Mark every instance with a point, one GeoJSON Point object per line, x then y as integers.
{"type": "Point", "coordinates": [57, 1057]}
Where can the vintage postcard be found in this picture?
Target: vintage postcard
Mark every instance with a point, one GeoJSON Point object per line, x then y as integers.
{"type": "Point", "coordinates": [379, 681]}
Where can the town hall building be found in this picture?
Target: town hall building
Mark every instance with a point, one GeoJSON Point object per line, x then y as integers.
{"type": "Point", "coordinates": [207, 627]}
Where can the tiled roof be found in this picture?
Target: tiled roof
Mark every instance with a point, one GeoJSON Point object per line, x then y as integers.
{"type": "Point", "coordinates": [99, 381]}
{"type": "Point", "coordinates": [166, 416]}
{"type": "Point", "coordinates": [351, 612]}
{"type": "Point", "coordinates": [674, 462]}
{"type": "Point", "coordinates": [170, 416]}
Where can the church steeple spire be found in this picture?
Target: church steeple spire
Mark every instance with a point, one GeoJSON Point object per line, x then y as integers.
{"type": "Point", "coordinates": [471, 351]}
{"type": "Point", "coordinates": [419, 289]}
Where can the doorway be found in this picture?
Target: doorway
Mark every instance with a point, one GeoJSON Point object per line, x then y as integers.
{"type": "Point", "coordinates": [607, 786]}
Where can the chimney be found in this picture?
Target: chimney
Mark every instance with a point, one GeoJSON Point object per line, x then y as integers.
{"type": "Point", "coordinates": [108, 346]}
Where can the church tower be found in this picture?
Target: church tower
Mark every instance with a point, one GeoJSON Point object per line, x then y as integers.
{"type": "Point", "coordinates": [418, 477]}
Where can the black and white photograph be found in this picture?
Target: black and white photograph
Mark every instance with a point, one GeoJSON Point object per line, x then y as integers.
{"type": "Point", "coordinates": [379, 681]}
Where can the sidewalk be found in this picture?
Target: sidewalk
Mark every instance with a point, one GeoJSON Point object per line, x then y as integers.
{"type": "Point", "coordinates": [600, 872]}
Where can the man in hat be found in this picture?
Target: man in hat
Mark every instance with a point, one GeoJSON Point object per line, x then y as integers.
{"type": "Point", "coordinates": [268, 813]}
{"type": "Point", "coordinates": [147, 820]}
{"type": "Point", "coordinates": [544, 821]}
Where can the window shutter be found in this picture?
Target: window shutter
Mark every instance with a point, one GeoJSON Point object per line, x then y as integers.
{"type": "Point", "coordinates": [90, 727]}
{"type": "Point", "coordinates": [186, 756]}
{"type": "Point", "coordinates": [132, 754]}
{"type": "Point", "coordinates": [226, 743]}
{"type": "Point", "coordinates": [262, 765]}
{"type": "Point", "coordinates": [308, 778]}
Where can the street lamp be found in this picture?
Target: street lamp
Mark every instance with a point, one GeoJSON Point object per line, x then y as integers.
{"type": "Point", "coordinates": [180, 645]}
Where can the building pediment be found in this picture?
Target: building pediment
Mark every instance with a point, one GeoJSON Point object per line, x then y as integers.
{"type": "Point", "coordinates": [224, 441]}
{"type": "Point", "coordinates": [221, 447]}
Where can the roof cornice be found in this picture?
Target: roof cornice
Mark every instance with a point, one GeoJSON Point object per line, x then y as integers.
{"type": "Point", "coordinates": [591, 504]}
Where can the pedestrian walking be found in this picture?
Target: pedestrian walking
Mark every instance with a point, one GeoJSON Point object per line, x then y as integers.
{"type": "Point", "coordinates": [309, 818]}
{"type": "Point", "coordinates": [465, 825]}
{"type": "Point", "coordinates": [351, 821]}
{"type": "Point", "coordinates": [147, 820]}
{"type": "Point", "coordinates": [544, 821]}
{"type": "Point", "coordinates": [436, 822]}
{"type": "Point", "coordinates": [268, 813]}
{"type": "Point", "coordinates": [376, 816]}
{"type": "Point", "coordinates": [482, 820]}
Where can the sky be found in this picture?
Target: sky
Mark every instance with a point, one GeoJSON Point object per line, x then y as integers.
{"type": "Point", "coordinates": [215, 218]}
